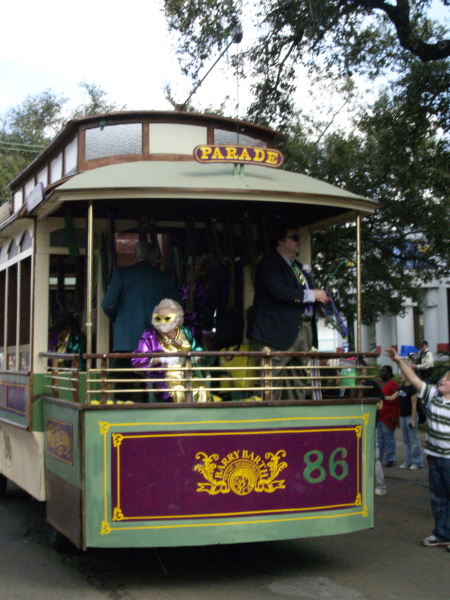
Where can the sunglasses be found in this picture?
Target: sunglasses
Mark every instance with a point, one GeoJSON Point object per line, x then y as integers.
{"type": "Point", "coordinates": [164, 318]}
{"type": "Point", "coordinates": [295, 237]}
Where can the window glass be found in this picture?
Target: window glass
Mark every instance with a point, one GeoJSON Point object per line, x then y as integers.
{"type": "Point", "coordinates": [113, 140]}
{"type": "Point", "coordinates": [224, 137]}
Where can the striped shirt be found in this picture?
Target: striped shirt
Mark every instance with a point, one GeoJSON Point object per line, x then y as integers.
{"type": "Point", "coordinates": [437, 442]}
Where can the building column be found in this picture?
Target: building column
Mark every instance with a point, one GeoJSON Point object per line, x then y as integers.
{"type": "Point", "coordinates": [435, 320]}
{"type": "Point", "coordinates": [405, 327]}
{"type": "Point", "coordinates": [386, 336]}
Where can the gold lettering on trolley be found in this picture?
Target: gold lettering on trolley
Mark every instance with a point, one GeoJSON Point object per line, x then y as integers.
{"type": "Point", "coordinates": [117, 514]}
{"type": "Point", "coordinates": [240, 472]}
{"type": "Point", "coordinates": [238, 155]}
{"type": "Point", "coordinates": [117, 439]}
{"type": "Point", "coordinates": [358, 431]}
{"type": "Point", "coordinates": [104, 426]}
{"type": "Point", "coordinates": [59, 440]}
{"type": "Point", "coordinates": [105, 529]}
{"type": "Point", "coordinates": [358, 501]}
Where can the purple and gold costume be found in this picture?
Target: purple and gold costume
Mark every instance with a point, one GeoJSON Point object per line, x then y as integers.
{"type": "Point", "coordinates": [151, 341]}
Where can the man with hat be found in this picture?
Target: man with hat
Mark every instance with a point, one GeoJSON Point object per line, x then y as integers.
{"type": "Point", "coordinates": [282, 317]}
{"type": "Point", "coordinates": [425, 362]}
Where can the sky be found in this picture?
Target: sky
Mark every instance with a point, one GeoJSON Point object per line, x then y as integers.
{"type": "Point", "coordinates": [123, 48]}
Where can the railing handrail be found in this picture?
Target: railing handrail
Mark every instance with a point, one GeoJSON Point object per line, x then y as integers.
{"type": "Point", "coordinates": [259, 378]}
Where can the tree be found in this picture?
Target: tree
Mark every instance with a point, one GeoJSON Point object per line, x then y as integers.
{"type": "Point", "coordinates": [27, 128]}
{"type": "Point", "coordinates": [398, 154]}
{"type": "Point", "coordinates": [341, 36]}
{"type": "Point", "coordinates": [96, 103]}
{"type": "Point", "coordinates": [25, 131]}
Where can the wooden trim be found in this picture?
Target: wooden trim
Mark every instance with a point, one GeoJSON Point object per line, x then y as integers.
{"type": "Point", "coordinates": [81, 148]}
{"type": "Point", "coordinates": [106, 161]}
{"type": "Point", "coordinates": [145, 138]}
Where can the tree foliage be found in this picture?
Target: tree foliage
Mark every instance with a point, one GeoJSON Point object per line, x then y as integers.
{"type": "Point", "coordinates": [27, 128]}
{"type": "Point", "coordinates": [340, 36]}
{"type": "Point", "coordinates": [398, 153]}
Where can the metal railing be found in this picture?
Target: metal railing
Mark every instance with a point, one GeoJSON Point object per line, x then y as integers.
{"type": "Point", "coordinates": [62, 375]}
{"type": "Point", "coordinates": [211, 377]}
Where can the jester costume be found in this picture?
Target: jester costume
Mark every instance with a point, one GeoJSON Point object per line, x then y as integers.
{"type": "Point", "coordinates": [155, 341]}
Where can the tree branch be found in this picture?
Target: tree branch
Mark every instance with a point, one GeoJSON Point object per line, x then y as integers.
{"type": "Point", "coordinates": [399, 15]}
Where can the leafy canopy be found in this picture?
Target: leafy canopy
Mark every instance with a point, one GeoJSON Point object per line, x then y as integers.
{"type": "Point", "coordinates": [27, 128]}
{"type": "Point", "coordinates": [340, 36]}
{"type": "Point", "coordinates": [398, 153]}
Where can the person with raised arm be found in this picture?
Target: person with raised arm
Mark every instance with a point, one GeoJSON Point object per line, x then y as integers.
{"type": "Point", "coordinates": [437, 447]}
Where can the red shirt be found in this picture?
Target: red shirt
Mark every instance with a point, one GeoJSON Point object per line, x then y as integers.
{"type": "Point", "coordinates": [390, 413]}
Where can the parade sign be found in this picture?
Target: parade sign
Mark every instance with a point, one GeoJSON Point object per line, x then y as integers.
{"type": "Point", "coordinates": [244, 155]}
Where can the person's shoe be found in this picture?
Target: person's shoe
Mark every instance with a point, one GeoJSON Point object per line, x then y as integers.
{"type": "Point", "coordinates": [391, 463]}
{"type": "Point", "coordinates": [405, 466]}
{"type": "Point", "coordinates": [414, 467]}
{"type": "Point", "coordinates": [379, 492]}
{"type": "Point", "coordinates": [432, 540]}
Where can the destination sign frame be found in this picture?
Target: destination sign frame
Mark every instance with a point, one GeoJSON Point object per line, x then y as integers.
{"type": "Point", "coordinates": [235, 154]}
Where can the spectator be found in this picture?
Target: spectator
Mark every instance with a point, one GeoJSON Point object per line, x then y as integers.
{"type": "Point", "coordinates": [425, 362]}
{"type": "Point", "coordinates": [409, 425]}
{"type": "Point", "coordinates": [388, 417]}
{"type": "Point", "coordinates": [437, 448]}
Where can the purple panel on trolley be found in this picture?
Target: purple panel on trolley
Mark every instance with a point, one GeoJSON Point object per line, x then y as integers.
{"type": "Point", "coordinates": [234, 473]}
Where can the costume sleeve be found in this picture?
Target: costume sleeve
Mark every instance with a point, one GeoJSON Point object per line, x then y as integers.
{"type": "Point", "coordinates": [195, 346]}
{"type": "Point", "coordinates": [146, 344]}
{"type": "Point", "coordinates": [110, 302]}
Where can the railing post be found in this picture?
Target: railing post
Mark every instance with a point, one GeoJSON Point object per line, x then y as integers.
{"type": "Point", "coordinates": [187, 380]}
{"type": "Point", "coordinates": [54, 378]}
{"type": "Point", "coordinates": [76, 379]}
{"type": "Point", "coordinates": [266, 377]}
{"type": "Point", "coordinates": [103, 380]}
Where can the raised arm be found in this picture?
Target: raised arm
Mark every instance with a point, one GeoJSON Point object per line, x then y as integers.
{"type": "Point", "coordinates": [405, 369]}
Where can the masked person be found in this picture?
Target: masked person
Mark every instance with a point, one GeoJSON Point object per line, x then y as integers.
{"type": "Point", "coordinates": [168, 335]}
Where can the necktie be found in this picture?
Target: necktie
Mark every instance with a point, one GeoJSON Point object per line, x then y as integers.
{"type": "Point", "coordinates": [303, 283]}
{"type": "Point", "coordinates": [299, 274]}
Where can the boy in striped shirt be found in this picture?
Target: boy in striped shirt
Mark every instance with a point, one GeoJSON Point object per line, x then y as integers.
{"type": "Point", "coordinates": [437, 448]}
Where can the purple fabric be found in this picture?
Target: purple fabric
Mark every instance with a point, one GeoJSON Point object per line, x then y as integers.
{"type": "Point", "coordinates": [149, 342]}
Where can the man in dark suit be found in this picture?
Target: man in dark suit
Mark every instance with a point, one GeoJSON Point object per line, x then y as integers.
{"type": "Point", "coordinates": [130, 299]}
{"type": "Point", "coordinates": [282, 316]}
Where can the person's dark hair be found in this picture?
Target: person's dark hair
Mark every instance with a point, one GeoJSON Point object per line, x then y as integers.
{"type": "Point", "coordinates": [144, 251]}
{"type": "Point", "coordinates": [65, 320]}
{"type": "Point", "coordinates": [280, 230]}
{"type": "Point", "coordinates": [424, 343]}
{"type": "Point", "coordinates": [389, 370]}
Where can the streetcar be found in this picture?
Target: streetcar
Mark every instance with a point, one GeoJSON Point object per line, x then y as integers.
{"type": "Point", "coordinates": [135, 472]}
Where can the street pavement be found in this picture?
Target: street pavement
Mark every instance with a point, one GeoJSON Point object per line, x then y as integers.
{"type": "Point", "coordinates": [384, 563]}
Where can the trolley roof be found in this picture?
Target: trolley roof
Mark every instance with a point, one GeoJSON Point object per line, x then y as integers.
{"type": "Point", "coordinates": [138, 160]}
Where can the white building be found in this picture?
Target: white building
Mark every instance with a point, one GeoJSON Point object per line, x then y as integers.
{"type": "Point", "coordinates": [427, 320]}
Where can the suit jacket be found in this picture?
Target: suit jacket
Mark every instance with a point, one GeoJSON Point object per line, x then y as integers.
{"type": "Point", "coordinates": [278, 307]}
{"type": "Point", "coordinates": [130, 299]}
